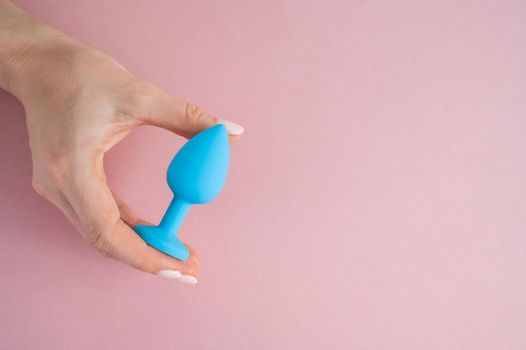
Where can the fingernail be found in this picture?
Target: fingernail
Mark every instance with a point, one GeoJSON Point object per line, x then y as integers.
{"type": "Point", "coordinates": [231, 127]}
{"type": "Point", "coordinates": [173, 274]}
{"type": "Point", "coordinates": [187, 279]}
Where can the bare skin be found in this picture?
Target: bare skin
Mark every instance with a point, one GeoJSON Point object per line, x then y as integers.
{"type": "Point", "coordinates": [80, 102]}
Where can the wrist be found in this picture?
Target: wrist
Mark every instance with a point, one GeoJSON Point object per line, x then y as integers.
{"type": "Point", "coordinates": [17, 31]}
{"type": "Point", "coordinates": [36, 68]}
{"type": "Point", "coordinates": [27, 47]}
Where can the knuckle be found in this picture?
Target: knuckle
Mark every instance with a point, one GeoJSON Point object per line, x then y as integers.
{"type": "Point", "coordinates": [99, 239]}
{"type": "Point", "coordinates": [37, 186]}
{"type": "Point", "coordinates": [42, 189]}
{"type": "Point", "coordinates": [194, 113]}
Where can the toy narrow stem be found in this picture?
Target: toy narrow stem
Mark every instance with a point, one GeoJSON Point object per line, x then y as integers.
{"type": "Point", "coordinates": [174, 216]}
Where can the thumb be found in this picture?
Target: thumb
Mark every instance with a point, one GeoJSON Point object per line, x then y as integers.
{"type": "Point", "coordinates": [184, 118]}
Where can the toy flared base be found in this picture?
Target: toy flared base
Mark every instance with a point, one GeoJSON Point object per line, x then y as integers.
{"type": "Point", "coordinates": [158, 238]}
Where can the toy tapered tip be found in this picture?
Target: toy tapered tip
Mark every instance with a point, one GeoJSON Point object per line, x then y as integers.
{"type": "Point", "coordinates": [198, 171]}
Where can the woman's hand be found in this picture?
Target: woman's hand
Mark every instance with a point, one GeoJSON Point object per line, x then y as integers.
{"type": "Point", "coordinates": [79, 103]}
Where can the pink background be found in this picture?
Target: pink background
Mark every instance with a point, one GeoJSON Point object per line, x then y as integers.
{"type": "Point", "coordinates": [377, 201]}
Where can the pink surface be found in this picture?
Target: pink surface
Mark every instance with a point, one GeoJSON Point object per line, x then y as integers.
{"type": "Point", "coordinates": [377, 201]}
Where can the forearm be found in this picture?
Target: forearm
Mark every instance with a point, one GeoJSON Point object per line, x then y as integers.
{"type": "Point", "coordinates": [27, 46]}
{"type": "Point", "coordinates": [18, 34]}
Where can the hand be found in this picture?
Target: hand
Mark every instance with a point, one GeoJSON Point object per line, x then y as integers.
{"type": "Point", "coordinates": [79, 103]}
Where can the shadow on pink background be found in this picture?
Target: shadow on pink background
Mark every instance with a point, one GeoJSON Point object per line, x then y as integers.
{"type": "Point", "coordinates": [377, 201]}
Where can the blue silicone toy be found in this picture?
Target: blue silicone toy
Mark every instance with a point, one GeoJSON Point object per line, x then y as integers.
{"type": "Point", "coordinates": [195, 176]}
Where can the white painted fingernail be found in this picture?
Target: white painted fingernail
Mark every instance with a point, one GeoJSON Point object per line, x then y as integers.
{"type": "Point", "coordinates": [231, 127]}
{"type": "Point", "coordinates": [187, 279]}
{"type": "Point", "coordinates": [173, 274]}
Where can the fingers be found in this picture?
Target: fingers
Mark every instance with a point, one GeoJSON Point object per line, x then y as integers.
{"type": "Point", "coordinates": [125, 245]}
{"type": "Point", "coordinates": [183, 118]}
{"type": "Point", "coordinates": [187, 272]}
{"type": "Point", "coordinates": [235, 131]}
{"type": "Point", "coordinates": [105, 229]}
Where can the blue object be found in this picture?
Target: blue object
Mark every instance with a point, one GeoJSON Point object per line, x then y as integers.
{"type": "Point", "coordinates": [196, 175]}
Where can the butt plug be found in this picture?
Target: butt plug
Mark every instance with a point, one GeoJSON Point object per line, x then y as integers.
{"type": "Point", "coordinates": [195, 175]}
